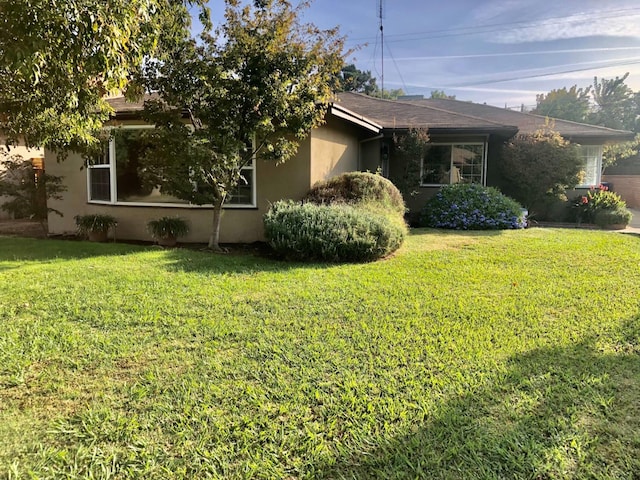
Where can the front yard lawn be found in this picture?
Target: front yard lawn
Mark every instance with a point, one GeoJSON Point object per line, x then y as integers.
{"type": "Point", "coordinates": [509, 354]}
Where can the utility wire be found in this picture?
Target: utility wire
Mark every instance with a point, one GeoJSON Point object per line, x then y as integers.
{"type": "Point", "coordinates": [404, 85]}
{"type": "Point", "coordinates": [481, 29]}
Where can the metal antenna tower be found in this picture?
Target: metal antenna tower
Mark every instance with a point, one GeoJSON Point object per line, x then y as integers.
{"type": "Point", "coordinates": [380, 16]}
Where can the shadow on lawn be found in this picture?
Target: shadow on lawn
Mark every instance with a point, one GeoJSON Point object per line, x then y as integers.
{"type": "Point", "coordinates": [557, 413]}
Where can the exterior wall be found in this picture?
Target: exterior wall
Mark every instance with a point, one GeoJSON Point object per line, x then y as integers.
{"type": "Point", "coordinates": [334, 150]}
{"type": "Point", "coordinates": [416, 202]}
{"type": "Point", "coordinates": [239, 225]}
{"type": "Point", "coordinates": [370, 159]}
{"type": "Point", "coordinates": [627, 186]}
{"type": "Point", "coordinates": [25, 153]}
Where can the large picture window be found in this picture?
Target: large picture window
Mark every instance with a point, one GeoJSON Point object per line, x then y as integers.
{"type": "Point", "coordinates": [453, 163]}
{"type": "Point", "coordinates": [592, 162]}
{"type": "Point", "coordinates": [117, 177]}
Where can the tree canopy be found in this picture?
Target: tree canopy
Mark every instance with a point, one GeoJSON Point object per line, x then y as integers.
{"type": "Point", "coordinates": [352, 79]}
{"type": "Point", "coordinates": [253, 87]}
{"type": "Point", "coordinates": [569, 104]}
{"type": "Point", "coordinates": [58, 60]}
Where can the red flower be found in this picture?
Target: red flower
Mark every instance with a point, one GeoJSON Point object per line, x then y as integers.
{"type": "Point", "coordinates": [585, 200]}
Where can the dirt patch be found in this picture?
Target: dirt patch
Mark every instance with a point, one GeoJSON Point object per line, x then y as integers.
{"type": "Point", "coordinates": [23, 228]}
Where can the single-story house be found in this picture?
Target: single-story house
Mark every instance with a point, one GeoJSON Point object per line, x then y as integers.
{"type": "Point", "coordinates": [357, 136]}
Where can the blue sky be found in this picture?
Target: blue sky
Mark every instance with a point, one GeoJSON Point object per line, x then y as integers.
{"type": "Point", "coordinates": [500, 52]}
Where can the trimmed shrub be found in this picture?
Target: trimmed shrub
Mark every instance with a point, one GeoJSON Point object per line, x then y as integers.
{"type": "Point", "coordinates": [358, 188]}
{"type": "Point", "coordinates": [333, 233]}
{"type": "Point", "coordinates": [472, 207]}
{"type": "Point", "coordinates": [616, 216]}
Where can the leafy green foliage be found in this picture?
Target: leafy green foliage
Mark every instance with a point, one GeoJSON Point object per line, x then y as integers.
{"type": "Point", "coordinates": [616, 216]}
{"type": "Point", "coordinates": [333, 233]}
{"type": "Point", "coordinates": [28, 190]}
{"type": "Point", "coordinates": [168, 227]}
{"type": "Point", "coordinates": [351, 79]}
{"type": "Point", "coordinates": [569, 104]}
{"type": "Point", "coordinates": [441, 94]}
{"type": "Point", "coordinates": [60, 59]}
{"type": "Point", "coordinates": [358, 188]}
{"type": "Point", "coordinates": [256, 86]}
{"type": "Point", "coordinates": [619, 152]}
{"type": "Point", "coordinates": [466, 354]}
{"type": "Point", "coordinates": [617, 105]}
{"type": "Point", "coordinates": [538, 166]}
{"type": "Point", "coordinates": [600, 203]}
{"type": "Point", "coordinates": [472, 207]}
{"type": "Point", "coordinates": [408, 151]}
{"type": "Point", "coordinates": [94, 223]}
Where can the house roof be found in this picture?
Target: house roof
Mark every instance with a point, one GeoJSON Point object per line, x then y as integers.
{"type": "Point", "coordinates": [393, 115]}
{"type": "Point", "coordinates": [526, 122]}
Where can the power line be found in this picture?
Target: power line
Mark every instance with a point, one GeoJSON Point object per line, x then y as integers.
{"type": "Point", "coordinates": [481, 29]}
{"type": "Point", "coordinates": [397, 70]}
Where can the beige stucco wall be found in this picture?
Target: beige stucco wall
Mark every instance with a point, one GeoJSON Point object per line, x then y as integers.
{"type": "Point", "coordinates": [334, 150]}
{"type": "Point", "coordinates": [239, 225]}
{"type": "Point", "coordinates": [25, 153]}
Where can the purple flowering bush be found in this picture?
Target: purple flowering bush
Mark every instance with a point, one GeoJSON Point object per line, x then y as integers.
{"type": "Point", "coordinates": [472, 207]}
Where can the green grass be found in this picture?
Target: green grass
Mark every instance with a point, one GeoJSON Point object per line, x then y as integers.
{"type": "Point", "coordinates": [476, 355]}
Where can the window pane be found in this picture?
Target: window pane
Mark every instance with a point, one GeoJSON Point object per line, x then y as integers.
{"type": "Point", "coordinates": [243, 193]}
{"type": "Point", "coordinates": [468, 160]}
{"type": "Point", "coordinates": [591, 155]}
{"type": "Point", "coordinates": [130, 148]}
{"type": "Point", "coordinates": [99, 184]}
{"type": "Point", "coordinates": [436, 165]}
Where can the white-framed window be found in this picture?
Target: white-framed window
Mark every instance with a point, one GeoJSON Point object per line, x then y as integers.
{"type": "Point", "coordinates": [117, 177]}
{"type": "Point", "coordinates": [592, 161]}
{"type": "Point", "coordinates": [446, 163]}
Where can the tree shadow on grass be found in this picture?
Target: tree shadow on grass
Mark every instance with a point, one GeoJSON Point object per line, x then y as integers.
{"type": "Point", "coordinates": [557, 413]}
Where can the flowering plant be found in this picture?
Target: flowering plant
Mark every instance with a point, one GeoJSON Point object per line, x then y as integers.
{"type": "Point", "coordinates": [472, 207]}
{"type": "Point", "coordinates": [596, 200]}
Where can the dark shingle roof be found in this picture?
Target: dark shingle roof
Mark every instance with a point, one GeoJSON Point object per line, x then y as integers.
{"type": "Point", "coordinates": [392, 114]}
{"type": "Point", "coordinates": [122, 106]}
{"type": "Point", "coordinates": [526, 122]}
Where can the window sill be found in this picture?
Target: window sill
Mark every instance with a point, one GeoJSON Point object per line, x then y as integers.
{"type": "Point", "coordinates": [170, 205]}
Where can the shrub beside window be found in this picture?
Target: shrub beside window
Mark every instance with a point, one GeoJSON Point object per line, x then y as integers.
{"type": "Point", "coordinates": [472, 207]}
{"type": "Point", "coordinates": [333, 233]}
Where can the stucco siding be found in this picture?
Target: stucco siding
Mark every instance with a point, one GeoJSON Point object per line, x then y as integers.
{"type": "Point", "coordinates": [334, 150]}
{"type": "Point", "coordinates": [239, 225]}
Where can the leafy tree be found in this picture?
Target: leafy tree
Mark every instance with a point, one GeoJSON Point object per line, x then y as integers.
{"type": "Point", "coordinates": [27, 188]}
{"type": "Point", "coordinates": [568, 104]}
{"type": "Point", "coordinates": [540, 166]}
{"type": "Point", "coordinates": [392, 94]}
{"type": "Point", "coordinates": [255, 86]}
{"type": "Point", "coordinates": [616, 104]}
{"type": "Point", "coordinates": [618, 152]}
{"type": "Point", "coordinates": [58, 59]}
{"type": "Point", "coordinates": [351, 79]}
{"type": "Point", "coordinates": [441, 94]}
{"type": "Point", "coordinates": [408, 151]}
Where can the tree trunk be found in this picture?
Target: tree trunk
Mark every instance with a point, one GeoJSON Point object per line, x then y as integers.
{"type": "Point", "coordinates": [214, 238]}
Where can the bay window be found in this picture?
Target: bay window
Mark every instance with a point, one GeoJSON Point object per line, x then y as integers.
{"type": "Point", "coordinates": [117, 177]}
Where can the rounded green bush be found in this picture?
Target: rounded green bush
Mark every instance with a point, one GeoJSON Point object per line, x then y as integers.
{"type": "Point", "coordinates": [333, 233]}
{"type": "Point", "coordinates": [361, 188]}
{"type": "Point", "coordinates": [472, 207]}
{"type": "Point", "coordinates": [616, 216]}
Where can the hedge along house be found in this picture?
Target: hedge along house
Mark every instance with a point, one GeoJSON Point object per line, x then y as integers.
{"type": "Point", "coordinates": [112, 185]}
{"type": "Point", "coordinates": [466, 140]}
